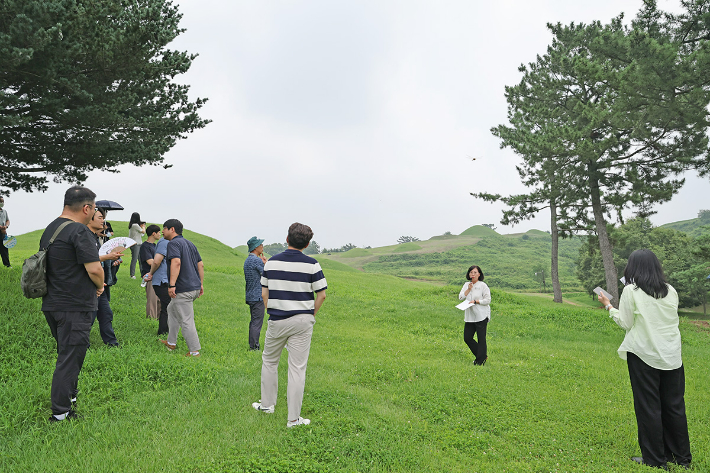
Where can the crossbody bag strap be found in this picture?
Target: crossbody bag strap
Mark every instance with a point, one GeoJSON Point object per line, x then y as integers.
{"type": "Point", "coordinates": [57, 231]}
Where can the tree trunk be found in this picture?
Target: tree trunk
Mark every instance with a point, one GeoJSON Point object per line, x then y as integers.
{"type": "Point", "coordinates": [554, 270]}
{"type": "Point", "coordinates": [604, 244]}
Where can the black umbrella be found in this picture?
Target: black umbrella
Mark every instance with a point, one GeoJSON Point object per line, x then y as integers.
{"type": "Point", "coordinates": [108, 205]}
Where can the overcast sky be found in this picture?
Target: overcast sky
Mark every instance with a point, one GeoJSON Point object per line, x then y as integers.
{"type": "Point", "coordinates": [354, 117]}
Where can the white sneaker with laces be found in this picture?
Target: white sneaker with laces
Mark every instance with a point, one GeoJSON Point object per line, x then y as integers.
{"type": "Point", "coordinates": [260, 408]}
{"type": "Point", "coordinates": [299, 421]}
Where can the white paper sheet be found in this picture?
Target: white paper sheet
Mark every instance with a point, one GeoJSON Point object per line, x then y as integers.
{"type": "Point", "coordinates": [464, 305]}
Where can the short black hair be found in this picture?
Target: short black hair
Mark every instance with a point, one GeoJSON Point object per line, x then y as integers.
{"type": "Point", "coordinates": [152, 229]}
{"type": "Point", "coordinates": [645, 271]}
{"type": "Point", "coordinates": [299, 235]}
{"type": "Point", "coordinates": [174, 223]}
{"type": "Point", "coordinates": [480, 271]}
{"type": "Point", "coordinates": [99, 210]}
{"type": "Point", "coordinates": [77, 197]}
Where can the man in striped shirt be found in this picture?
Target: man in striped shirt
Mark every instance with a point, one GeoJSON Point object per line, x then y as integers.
{"type": "Point", "coordinates": [287, 286]}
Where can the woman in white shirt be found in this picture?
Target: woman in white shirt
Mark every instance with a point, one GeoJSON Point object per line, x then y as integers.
{"type": "Point", "coordinates": [648, 311]}
{"type": "Point", "coordinates": [476, 316]}
{"type": "Point", "coordinates": [136, 229]}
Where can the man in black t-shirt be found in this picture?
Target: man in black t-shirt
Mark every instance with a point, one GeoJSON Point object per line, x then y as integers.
{"type": "Point", "coordinates": [75, 279]}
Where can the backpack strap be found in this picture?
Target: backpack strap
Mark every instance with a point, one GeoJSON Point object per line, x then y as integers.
{"type": "Point", "coordinates": [57, 232]}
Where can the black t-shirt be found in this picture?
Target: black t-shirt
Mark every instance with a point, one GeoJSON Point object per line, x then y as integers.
{"type": "Point", "coordinates": [69, 287]}
{"type": "Point", "coordinates": [146, 252]}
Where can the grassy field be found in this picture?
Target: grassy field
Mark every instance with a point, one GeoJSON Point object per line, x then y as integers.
{"type": "Point", "coordinates": [390, 386]}
{"type": "Point", "coordinates": [508, 261]}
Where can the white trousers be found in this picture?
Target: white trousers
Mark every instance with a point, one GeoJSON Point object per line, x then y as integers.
{"type": "Point", "coordinates": [295, 334]}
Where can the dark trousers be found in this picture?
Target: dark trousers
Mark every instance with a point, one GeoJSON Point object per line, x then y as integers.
{"type": "Point", "coordinates": [4, 252]}
{"type": "Point", "coordinates": [257, 320]}
{"type": "Point", "coordinates": [479, 349]}
{"type": "Point", "coordinates": [162, 293]}
{"type": "Point", "coordinates": [71, 331]}
{"type": "Point", "coordinates": [660, 413]}
{"type": "Point", "coordinates": [134, 258]}
{"type": "Point", "coordinates": [105, 316]}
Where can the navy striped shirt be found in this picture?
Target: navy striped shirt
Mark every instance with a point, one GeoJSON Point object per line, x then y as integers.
{"type": "Point", "coordinates": [292, 278]}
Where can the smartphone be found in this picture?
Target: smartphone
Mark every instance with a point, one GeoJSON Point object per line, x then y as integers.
{"type": "Point", "coordinates": [598, 290]}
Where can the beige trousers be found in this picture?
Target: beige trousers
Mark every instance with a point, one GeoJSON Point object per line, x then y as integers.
{"type": "Point", "coordinates": [152, 303]}
{"type": "Point", "coordinates": [295, 334]}
{"type": "Point", "coordinates": [182, 315]}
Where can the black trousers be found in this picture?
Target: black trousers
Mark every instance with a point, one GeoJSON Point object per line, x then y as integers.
{"type": "Point", "coordinates": [71, 331]}
{"type": "Point", "coordinates": [4, 252]}
{"type": "Point", "coordinates": [162, 293]}
{"type": "Point", "coordinates": [105, 316]}
{"type": "Point", "coordinates": [256, 309]}
{"type": "Point", "coordinates": [479, 349]}
{"type": "Point", "coordinates": [660, 413]}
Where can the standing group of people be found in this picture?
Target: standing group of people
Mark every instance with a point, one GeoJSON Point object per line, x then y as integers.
{"type": "Point", "coordinates": [291, 288]}
{"type": "Point", "coordinates": [78, 289]}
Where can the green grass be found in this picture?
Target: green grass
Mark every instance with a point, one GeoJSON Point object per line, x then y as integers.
{"type": "Point", "coordinates": [479, 231]}
{"type": "Point", "coordinates": [409, 246]}
{"type": "Point", "coordinates": [508, 263]}
{"type": "Point", "coordinates": [390, 386]}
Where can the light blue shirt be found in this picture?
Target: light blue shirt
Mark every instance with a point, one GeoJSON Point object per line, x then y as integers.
{"type": "Point", "coordinates": [161, 275]}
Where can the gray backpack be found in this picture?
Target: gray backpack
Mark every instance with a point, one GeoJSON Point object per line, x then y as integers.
{"type": "Point", "coordinates": [34, 270]}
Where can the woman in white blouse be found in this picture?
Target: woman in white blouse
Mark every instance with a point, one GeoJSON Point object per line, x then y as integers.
{"type": "Point", "coordinates": [476, 316]}
{"type": "Point", "coordinates": [136, 230]}
{"type": "Point", "coordinates": [648, 311]}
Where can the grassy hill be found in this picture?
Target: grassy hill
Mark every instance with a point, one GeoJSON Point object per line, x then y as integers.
{"type": "Point", "coordinates": [390, 387]}
{"type": "Point", "coordinates": [479, 231]}
{"type": "Point", "coordinates": [693, 227]}
{"type": "Point", "coordinates": [508, 261]}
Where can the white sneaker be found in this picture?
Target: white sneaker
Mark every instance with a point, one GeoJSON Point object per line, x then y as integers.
{"type": "Point", "coordinates": [260, 408]}
{"type": "Point", "coordinates": [300, 421]}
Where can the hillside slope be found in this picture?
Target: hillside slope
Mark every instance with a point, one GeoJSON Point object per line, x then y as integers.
{"type": "Point", "coordinates": [390, 386]}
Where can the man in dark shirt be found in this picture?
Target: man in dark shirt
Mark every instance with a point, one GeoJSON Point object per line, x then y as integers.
{"type": "Point", "coordinates": [186, 275]}
{"type": "Point", "coordinates": [75, 279]}
{"type": "Point", "coordinates": [146, 254]}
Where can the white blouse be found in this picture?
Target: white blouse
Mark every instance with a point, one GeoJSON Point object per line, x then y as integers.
{"type": "Point", "coordinates": [480, 293]}
{"type": "Point", "coordinates": [651, 327]}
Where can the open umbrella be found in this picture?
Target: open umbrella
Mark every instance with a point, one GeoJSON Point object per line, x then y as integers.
{"type": "Point", "coordinates": [108, 205]}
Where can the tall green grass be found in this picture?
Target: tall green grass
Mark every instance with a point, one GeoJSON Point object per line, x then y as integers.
{"type": "Point", "coordinates": [390, 386]}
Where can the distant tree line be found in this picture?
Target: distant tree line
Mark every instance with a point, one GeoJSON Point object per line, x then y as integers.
{"type": "Point", "coordinates": [275, 248]}
{"type": "Point", "coordinates": [686, 260]}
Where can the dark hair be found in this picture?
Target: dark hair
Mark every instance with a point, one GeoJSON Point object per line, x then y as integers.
{"type": "Point", "coordinates": [174, 223]}
{"type": "Point", "coordinates": [152, 229]}
{"type": "Point", "coordinates": [77, 197]}
{"type": "Point", "coordinates": [299, 235]}
{"type": "Point", "coordinates": [102, 211]}
{"type": "Point", "coordinates": [644, 270]}
{"type": "Point", "coordinates": [135, 218]}
{"type": "Point", "coordinates": [108, 226]}
{"type": "Point", "coordinates": [480, 271]}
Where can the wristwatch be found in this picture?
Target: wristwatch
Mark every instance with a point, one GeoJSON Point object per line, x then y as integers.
{"type": "Point", "coordinates": [608, 306]}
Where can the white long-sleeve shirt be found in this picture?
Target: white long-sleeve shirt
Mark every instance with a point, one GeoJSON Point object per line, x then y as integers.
{"type": "Point", "coordinates": [480, 293]}
{"type": "Point", "coordinates": [651, 327]}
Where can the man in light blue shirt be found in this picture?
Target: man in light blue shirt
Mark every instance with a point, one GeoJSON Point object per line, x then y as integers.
{"type": "Point", "coordinates": [158, 276]}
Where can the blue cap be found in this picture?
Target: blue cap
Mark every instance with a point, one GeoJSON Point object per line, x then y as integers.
{"type": "Point", "coordinates": [253, 243]}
